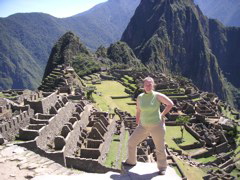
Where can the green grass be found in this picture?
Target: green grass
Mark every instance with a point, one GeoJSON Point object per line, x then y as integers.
{"type": "Point", "coordinates": [104, 73]}
{"type": "Point", "coordinates": [177, 171]}
{"type": "Point", "coordinates": [106, 103]}
{"type": "Point", "coordinates": [177, 97]}
{"type": "Point", "coordinates": [114, 149]}
{"type": "Point", "coordinates": [235, 172]}
{"type": "Point", "coordinates": [190, 172]}
{"type": "Point", "coordinates": [128, 77]}
{"type": "Point", "coordinates": [193, 151]}
{"type": "Point", "coordinates": [228, 114]}
{"type": "Point", "coordinates": [7, 96]}
{"type": "Point", "coordinates": [205, 160]}
{"type": "Point", "coordinates": [122, 104]}
{"type": "Point", "coordinates": [237, 151]}
{"type": "Point", "coordinates": [123, 156]}
{"type": "Point", "coordinates": [174, 132]}
{"type": "Point", "coordinates": [112, 154]}
{"type": "Point", "coordinates": [1, 95]}
{"type": "Point", "coordinates": [101, 103]}
{"type": "Point", "coordinates": [196, 99]}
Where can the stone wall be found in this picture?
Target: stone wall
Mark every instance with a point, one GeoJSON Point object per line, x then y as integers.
{"type": "Point", "coordinates": [105, 77]}
{"type": "Point", "coordinates": [222, 159]}
{"type": "Point", "coordinates": [224, 147]}
{"type": "Point", "coordinates": [73, 136]}
{"type": "Point", "coordinates": [192, 146]}
{"type": "Point", "coordinates": [43, 105]}
{"type": "Point", "coordinates": [88, 165]}
{"type": "Point", "coordinates": [47, 133]}
{"type": "Point", "coordinates": [5, 108]}
{"type": "Point", "coordinates": [108, 137]}
{"type": "Point", "coordinates": [11, 128]}
{"type": "Point", "coordinates": [192, 132]}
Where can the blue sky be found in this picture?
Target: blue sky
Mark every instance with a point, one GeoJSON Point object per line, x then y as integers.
{"type": "Point", "coordinates": [57, 8]}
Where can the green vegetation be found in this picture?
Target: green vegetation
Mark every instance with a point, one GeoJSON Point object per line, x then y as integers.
{"type": "Point", "coordinates": [205, 160]}
{"type": "Point", "coordinates": [122, 54]}
{"type": "Point", "coordinates": [128, 82]}
{"type": "Point", "coordinates": [182, 120]}
{"type": "Point", "coordinates": [190, 171]}
{"type": "Point", "coordinates": [12, 95]}
{"type": "Point", "coordinates": [124, 148]}
{"type": "Point", "coordinates": [172, 91]}
{"type": "Point", "coordinates": [106, 103]}
{"type": "Point", "coordinates": [196, 99]}
{"type": "Point", "coordinates": [173, 133]}
{"type": "Point", "coordinates": [178, 97]}
{"type": "Point", "coordinates": [128, 78]}
{"type": "Point", "coordinates": [228, 113]}
{"type": "Point", "coordinates": [85, 65]}
{"type": "Point", "coordinates": [113, 152]}
{"type": "Point", "coordinates": [235, 172]}
{"type": "Point", "coordinates": [237, 139]}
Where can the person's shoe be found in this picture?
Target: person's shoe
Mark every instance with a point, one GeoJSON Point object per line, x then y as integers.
{"type": "Point", "coordinates": [162, 172]}
{"type": "Point", "coordinates": [127, 164]}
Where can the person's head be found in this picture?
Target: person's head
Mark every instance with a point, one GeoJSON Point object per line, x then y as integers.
{"type": "Point", "coordinates": [148, 84]}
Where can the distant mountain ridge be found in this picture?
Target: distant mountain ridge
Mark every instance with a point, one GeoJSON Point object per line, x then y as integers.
{"type": "Point", "coordinates": [226, 11]}
{"type": "Point", "coordinates": [173, 36]}
{"type": "Point", "coordinates": [69, 50]}
{"type": "Point", "coordinates": [26, 39]}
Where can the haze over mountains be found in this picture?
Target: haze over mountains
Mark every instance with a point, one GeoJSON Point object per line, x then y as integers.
{"type": "Point", "coordinates": [26, 39]}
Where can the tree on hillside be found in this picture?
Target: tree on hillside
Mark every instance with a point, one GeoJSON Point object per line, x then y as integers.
{"type": "Point", "coordinates": [182, 120]}
{"type": "Point", "coordinates": [90, 90]}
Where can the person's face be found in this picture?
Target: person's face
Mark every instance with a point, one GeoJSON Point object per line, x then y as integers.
{"type": "Point", "coordinates": [148, 85]}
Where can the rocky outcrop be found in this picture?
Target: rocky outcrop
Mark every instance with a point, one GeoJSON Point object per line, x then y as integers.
{"type": "Point", "coordinates": [120, 53]}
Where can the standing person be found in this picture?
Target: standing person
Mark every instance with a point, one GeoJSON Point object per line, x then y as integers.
{"type": "Point", "coordinates": [150, 122]}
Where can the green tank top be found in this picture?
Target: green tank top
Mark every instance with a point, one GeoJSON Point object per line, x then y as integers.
{"type": "Point", "coordinates": [150, 108]}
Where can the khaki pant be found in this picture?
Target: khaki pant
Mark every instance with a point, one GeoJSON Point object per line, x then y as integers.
{"type": "Point", "coordinates": [158, 135]}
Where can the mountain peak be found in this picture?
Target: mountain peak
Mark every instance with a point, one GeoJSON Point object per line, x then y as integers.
{"type": "Point", "coordinates": [64, 50]}
{"type": "Point", "coordinates": [173, 36]}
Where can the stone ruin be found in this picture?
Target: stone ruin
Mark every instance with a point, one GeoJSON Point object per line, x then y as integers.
{"type": "Point", "coordinates": [73, 134]}
{"type": "Point", "coordinates": [12, 118]}
{"type": "Point", "coordinates": [60, 124]}
{"type": "Point", "coordinates": [207, 123]}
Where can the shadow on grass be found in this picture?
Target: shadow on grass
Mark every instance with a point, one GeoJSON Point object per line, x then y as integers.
{"type": "Point", "coordinates": [178, 140]}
